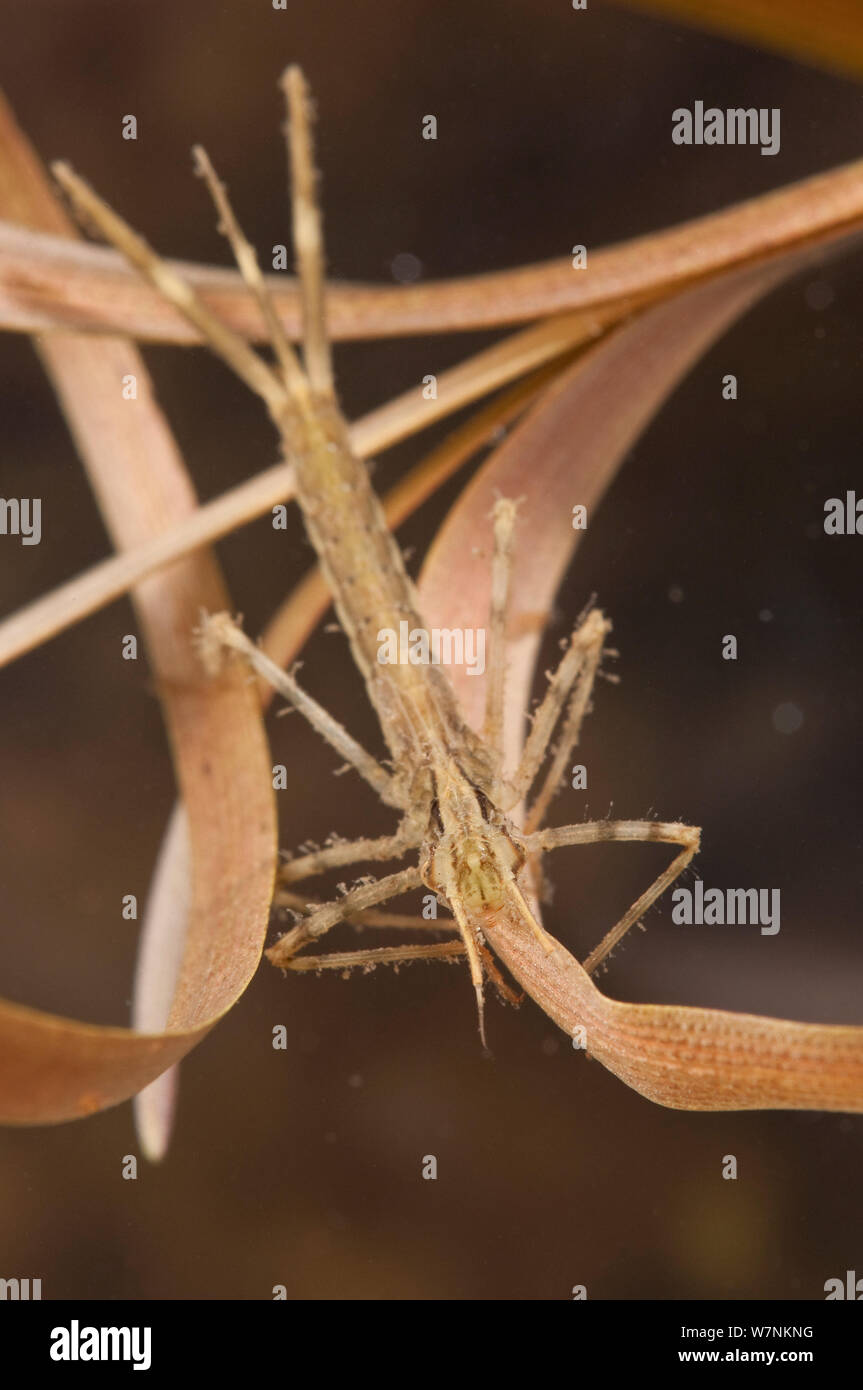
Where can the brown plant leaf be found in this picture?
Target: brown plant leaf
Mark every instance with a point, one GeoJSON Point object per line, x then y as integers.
{"type": "Point", "coordinates": [57, 1068]}
{"type": "Point", "coordinates": [47, 282]}
{"type": "Point", "coordinates": [688, 1058]}
{"type": "Point", "coordinates": [567, 450]}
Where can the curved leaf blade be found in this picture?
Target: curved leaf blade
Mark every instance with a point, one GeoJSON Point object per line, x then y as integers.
{"type": "Point", "coordinates": [57, 1068]}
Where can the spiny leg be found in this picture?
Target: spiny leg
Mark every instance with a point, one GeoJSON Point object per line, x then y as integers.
{"type": "Point", "coordinates": [336, 856]}
{"type": "Point", "coordinates": [597, 832]}
{"type": "Point", "coordinates": [355, 904]}
{"type": "Point", "coordinates": [501, 571]}
{"type": "Point", "coordinates": [399, 955]}
{"type": "Point", "coordinates": [392, 955]}
{"type": "Point", "coordinates": [376, 955]}
{"type": "Point", "coordinates": [218, 630]}
{"type": "Point", "coordinates": [576, 674]}
{"type": "Point", "coordinates": [585, 647]}
{"type": "Point", "coordinates": [234, 351]}
{"type": "Point", "coordinates": [302, 905]}
{"type": "Point", "coordinates": [569, 735]}
{"type": "Point", "coordinates": [323, 918]}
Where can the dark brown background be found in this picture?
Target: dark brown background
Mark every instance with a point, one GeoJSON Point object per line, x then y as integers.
{"type": "Point", "coordinates": [303, 1167]}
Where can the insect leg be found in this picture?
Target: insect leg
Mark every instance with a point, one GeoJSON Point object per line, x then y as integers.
{"type": "Point", "coordinates": [323, 918]}
{"type": "Point", "coordinates": [234, 351]}
{"type": "Point", "coordinates": [398, 955]}
{"type": "Point", "coordinates": [581, 656]}
{"type": "Point", "coordinates": [376, 955]}
{"type": "Point", "coordinates": [596, 832]}
{"type": "Point", "coordinates": [343, 852]}
{"type": "Point", "coordinates": [302, 904]}
{"type": "Point", "coordinates": [219, 631]}
{"type": "Point", "coordinates": [579, 704]}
